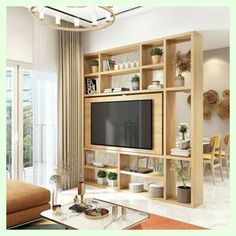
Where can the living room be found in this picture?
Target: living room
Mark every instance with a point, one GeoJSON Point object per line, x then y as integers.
{"type": "Point", "coordinates": [118, 114]}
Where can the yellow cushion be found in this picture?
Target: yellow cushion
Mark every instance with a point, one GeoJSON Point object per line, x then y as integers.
{"type": "Point", "coordinates": [222, 153]}
{"type": "Point", "coordinates": [207, 156]}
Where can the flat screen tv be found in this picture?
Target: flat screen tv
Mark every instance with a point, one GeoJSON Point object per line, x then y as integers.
{"type": "Point", "coordinates": [122, 123]}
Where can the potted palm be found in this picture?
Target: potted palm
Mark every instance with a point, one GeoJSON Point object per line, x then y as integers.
{"type": "Point", "coordinates": [183, 64]}
{"type": "Point", "coordinates": [183, 191]}
{"type": "Point", "coordinates": [156, 54]}
{"type": "Point", "coordinates": [112, 179]}
{"type": "Point", "coordinates": [94, 65]}
{"type": "Point", "coordinates": [135, 82]}
{"type": "Point", "coordinates": [101, 177]}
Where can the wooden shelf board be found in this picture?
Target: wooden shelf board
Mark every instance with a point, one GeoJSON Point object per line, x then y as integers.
{"type": "Point", "coordinates": [173, 201]}
{"type": "Point", "coordinates": [179, 158]}
{"type": "Point", "coordinates": [91, 75]}
{"type": "Point", "coordinates": [107, 168]}
{"type": "Point", "coordinates": [142, 154]}
{"type": "Point", "coordinates": [158, 66]}
{"type": "Point", "coordinates": [144, 194]}
{"type": "Point", "coordinates": [179, 89]}
{"type": "Point", "coordinates": [124, 93]}
{"type": "Point", "coordinates": [152, 175]}
{"type": "Point", "coordinates": [121, 71]}
{"type": "Point", "coordinates": [99, 149]}
{"type": "Point", "coordinates": [94, 183]}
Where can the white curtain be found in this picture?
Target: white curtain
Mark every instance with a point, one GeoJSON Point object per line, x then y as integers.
{"type": "Point", "coordinates": [44, 104]}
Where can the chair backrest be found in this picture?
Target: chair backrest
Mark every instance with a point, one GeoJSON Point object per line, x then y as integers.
{"type": "Point", "coordinates": [226, 143]}
{"type": "Point", "coordinates": [215, 143]}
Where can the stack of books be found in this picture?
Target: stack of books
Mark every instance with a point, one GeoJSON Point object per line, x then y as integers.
{"type": "Point", "coordinates": [108, 90]}
{"type": "Point", "coordinates": [120, 89]}
{"type": "Point", "coordinates": [180, 152]}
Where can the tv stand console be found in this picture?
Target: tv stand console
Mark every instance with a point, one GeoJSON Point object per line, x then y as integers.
{"type": "Point", "coordinates": [167, 103]}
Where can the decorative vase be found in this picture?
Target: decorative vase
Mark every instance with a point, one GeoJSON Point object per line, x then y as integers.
{"type": "Point", "coordinates": [179, 80]}
{"type": "Point", "coordinates": [184, 194]}
{"type": "Point", "coordinates": [94, 69]}
{"type": "Point", "coordinates": [156, 59]}
{"type": "Point", "coordinates": [135, 85]}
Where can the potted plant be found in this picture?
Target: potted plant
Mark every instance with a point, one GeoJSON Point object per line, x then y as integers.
{"type": "Point", "coordinates": [135, 82]}
{"type": "Point", "coordinates": [101, 177]}
{"type": "Point", "coordinates": [183, 64]}
{"type": "Point", "coordinates": [94, 65]}
{"type": "Point", "coordinates": [183, 130]}
{"type": "Point", "coordinates": [112, 179]}
{"type": "Point", "coordinates": [156, 54]}
{"type": "Point", "coordinates": [183, 191]}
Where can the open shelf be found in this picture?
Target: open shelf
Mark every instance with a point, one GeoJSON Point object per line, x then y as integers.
{"type": "Point", "coordinates": [144, 194]}
{"type": "Point", "coordinates": [152, 175]}
{"type": "Point", "coordinates": [168, 118]}
{"type": "Point", "coordinates": [94, 183]}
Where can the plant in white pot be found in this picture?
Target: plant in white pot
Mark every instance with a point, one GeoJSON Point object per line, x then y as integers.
{"type": "Point", "coordinates": [112, 179]}
{"type": "Point", "coordinates": [183, 130]}
{"type": "Point", "coordinates": [156, 54]}
{"type": "Point", "coordinates": [101, 177]}
{"type": "Point", "coordinates": [183, 191]}
{"type": "Point", "coordinates": [94, 65]}
{"type": "Point", "coordinates": [135, 82]}
{"type": "Point", "coordinates": [183, 64]}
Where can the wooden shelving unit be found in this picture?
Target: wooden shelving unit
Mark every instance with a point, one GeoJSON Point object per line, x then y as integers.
{"type": "Point", "coordinates": [164, 98]}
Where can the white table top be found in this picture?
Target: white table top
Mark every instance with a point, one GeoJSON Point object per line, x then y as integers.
{"type": "Point", "coordinates": [79, 221]}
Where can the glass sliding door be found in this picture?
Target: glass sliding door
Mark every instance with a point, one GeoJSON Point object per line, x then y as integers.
{"type": "Point", "coordinates": [31, 124]}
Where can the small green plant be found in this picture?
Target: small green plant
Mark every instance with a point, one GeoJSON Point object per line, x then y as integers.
{"type": "Point", "coordinates": [181, 171]}
{"type": "Point", "coordinates": [156, 51]}
{"type": "Point", "coordinates": [112, 176]}
{"type": "Point", "coordinates": [135, 78]}
{"type": "Point", "coordinates": [94, 62]}
{"type": "Point", "coordinates": [102, 174]}
{"type": "Point", "coordinates": [183, 129]}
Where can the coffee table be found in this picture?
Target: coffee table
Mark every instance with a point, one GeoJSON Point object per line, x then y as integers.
{"type": "Point", "coordinates": [74, 220]}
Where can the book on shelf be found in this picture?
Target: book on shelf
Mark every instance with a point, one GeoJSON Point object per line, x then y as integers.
{"type": "Point", "coordinates": [108, 64]}
{"type": "Point", "coordinates": [121, 89]}
{"type": "Point", "coordinates": [90, 86]}
{"type": "Point", "coordinates": [180, 152]}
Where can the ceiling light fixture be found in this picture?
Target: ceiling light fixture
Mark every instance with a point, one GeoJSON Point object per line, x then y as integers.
{"type": "Point", "coordinates": [79, 17]}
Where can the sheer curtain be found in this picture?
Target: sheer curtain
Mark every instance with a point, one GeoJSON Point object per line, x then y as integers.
{"type": "Point", "coordinates": [44, 104]}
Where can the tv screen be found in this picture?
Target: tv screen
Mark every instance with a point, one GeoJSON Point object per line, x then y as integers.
{"type": "Point", "coordinates": [122, 123]}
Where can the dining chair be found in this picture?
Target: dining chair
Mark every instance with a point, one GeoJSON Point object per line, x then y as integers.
{"type": "Point", "coordinates": [214, 157]}
{"type": "Point", "coordinates": [225, 152]}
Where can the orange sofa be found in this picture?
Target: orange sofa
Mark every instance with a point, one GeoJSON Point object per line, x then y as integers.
{"type": "Point", "coordinates": [25, 202]}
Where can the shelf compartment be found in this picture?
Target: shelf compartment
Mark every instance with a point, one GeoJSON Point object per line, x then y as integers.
{"type": "Point", "coordinates": [94, 183]}
{"type": "Point", "coordinates": [87, 58]}
{"type": "Point", "coordinates": [121, 71]}
{"type": "Point", "coordinates": [106, 168]}
{"type": "Point", "coordinates": [145, 194]}
{"type": "Point", "coordinates": [152, 175]}
{"type": "Point", "coordinates": [151, 75]}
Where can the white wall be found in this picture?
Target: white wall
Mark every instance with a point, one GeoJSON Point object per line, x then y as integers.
{"type": "Point", "coordinates": [20, 34]}
{"type": "Point", "coordinates": [212, 22]}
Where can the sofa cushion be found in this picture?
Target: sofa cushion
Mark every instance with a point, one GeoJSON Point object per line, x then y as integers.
{"type": "Point", "coordinates": [21, 196]}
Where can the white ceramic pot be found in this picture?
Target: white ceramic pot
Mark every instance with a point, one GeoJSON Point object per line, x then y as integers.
{"type": "Point", "coordinates": [101, 180]}
{"type": "Point", "coordinates": [135, 85]}
{"type": "Point", "coordinates": [112, 183]}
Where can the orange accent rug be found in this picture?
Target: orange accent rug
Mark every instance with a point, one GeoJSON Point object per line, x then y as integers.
{"type": "Point", "coordinates": [160, 222]}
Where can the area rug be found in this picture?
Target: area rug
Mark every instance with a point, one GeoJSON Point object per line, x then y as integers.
{"type": "Point", "coordinates": [154, 222]}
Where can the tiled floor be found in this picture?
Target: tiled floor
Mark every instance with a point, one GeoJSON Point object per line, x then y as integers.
{"type": "Point", "coordinates": [212, 214]}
